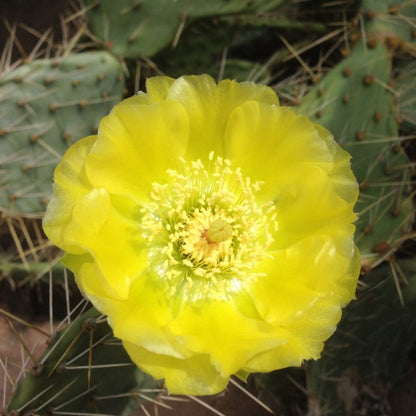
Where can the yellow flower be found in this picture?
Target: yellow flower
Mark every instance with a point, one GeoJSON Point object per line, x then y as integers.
{"type": "Point", "coordinates": [212, 226]}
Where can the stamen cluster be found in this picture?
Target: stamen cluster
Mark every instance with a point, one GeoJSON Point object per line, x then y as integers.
{"type": "Point", "coordinates": [205, 227]}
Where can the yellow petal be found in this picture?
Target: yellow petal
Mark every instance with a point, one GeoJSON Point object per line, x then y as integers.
{"type": "Point", "coordinates": [143, 318]}
{"type": "Point", "coordinates": [158, 88]}
{"type": "Point", "coordinates": [342, 177]}
{"type": "Point", "coordinates": [313, 268]}
{"type": "Point", "coordinates": [209, 107]}
{"type": "Point", "coordinates": [119, 238]}
{"type": "Point", "coordinates": [90, 280]}
{"type": "Point", "coordinates": [195, 375]}
{"type": "Point", "coordinates": [217, 328]}
{"type": "Point", "coordinates": [273, 144]}
{"type": "Point", "coordinates": [71, 185]}
{"type": "Point", "coordinates": [308, 193]}
{"type": "Point", "coordinates": [82, 219]}
{"type": "Point", "coordinates": [101, 230]}
{"type": "Point", "coordinates": [131, 153]}
{"type": "Point", "coordinates": [306, 336]}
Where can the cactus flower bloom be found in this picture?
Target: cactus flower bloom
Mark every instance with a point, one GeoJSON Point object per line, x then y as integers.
{"type": "Point", "coordinates": [212, 226]}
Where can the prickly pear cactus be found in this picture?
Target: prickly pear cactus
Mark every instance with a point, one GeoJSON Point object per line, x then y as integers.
{"type": "Point", "coordinates": [405, 86]}
{"type": "Point", "coordinates": [45, 106]}
{"type": "Point", "coordinates": [132, 28]}
{"type": "Point", "coordinates": [201, 51]}
{"type": "Point", "coordinates": [83, 371]}
{"type": "Point", "coordinates": [355, 101]}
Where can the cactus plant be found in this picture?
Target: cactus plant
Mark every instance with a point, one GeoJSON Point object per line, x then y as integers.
{"type": "Point", "coordinates": [46, 105]}
{"type": "Point", "coordinates": [405, 87]}
{"type": "Point", "coordinates": [77, 372]}
{"type": "Point", "coordinates": [354, 101]}
{"type": "Point", "coordinates": [132, 28]}
{"type": "Point", "coordinates": [201, 50]}
{"type": "Point", "coordinates": [367, 101]}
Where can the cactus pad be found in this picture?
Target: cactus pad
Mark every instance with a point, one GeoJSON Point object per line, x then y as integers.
{"type": "Point", "coordinates": [355, 102]}
{"type": "Point", "coordinates": [84, 370]}
{"type": "Point", "coordinates": [45, 106]}
{"type": "Point", "coordinates": [132, 28]}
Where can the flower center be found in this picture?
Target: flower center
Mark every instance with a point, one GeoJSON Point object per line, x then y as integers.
{"type": "Point", "coordinates": [205, 229]}
{"type": "Point", "coordinates": [206, 238]}
{"type": "Point", "coordinates": [219, 231]}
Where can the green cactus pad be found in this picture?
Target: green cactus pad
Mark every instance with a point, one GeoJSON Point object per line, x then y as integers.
{"type": "Point", "coordinates": [355, 102]}
{"type": "Point", "coordinates": [201, 51]}
{"type": "Point", "coordinates": [391, 19]}
{"type": "Point", "coordinates": [45, 106]}
{"type": "Point", "coordinates": [132, 28]}
{"type": "Point", "coordinates": [405, 87]}
{"type": "Point", "coordinates": [84, 370]}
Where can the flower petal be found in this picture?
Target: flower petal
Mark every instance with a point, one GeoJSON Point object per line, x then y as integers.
{"type": "Point", "coordinates": [90, 279]}
{"type": "Point", "coordinates": [143, 318]}
{"type": "Point", "coordinates": [313, 268]}
{"type": "Point", "coordinates": [306, 301]}
{"type": "Point", "coordinates": [215, 328]}
{"type": "Point", "coordinates": [288, 142]}
{"type": "Point", "coordinates": [157, 88]}
{"type": "Point", "coordinates": [341, 175]}
{"type": "Point", "coordinates": [71, 184]}
{"type": "Point", "coordinates": [98, 227]}
{"type": "Point", "coordinates": [82, 219]}
{"type": "Point", "coordinates": [309, 193]}
{"type": "Point", "coordinates": [194, 375]}
{"type": "Point", "coordinates": [131, 153]}
{"type": "Point", "coordinates": [209, 107]}
{"type": "Point", "coordinates": [305, 340]}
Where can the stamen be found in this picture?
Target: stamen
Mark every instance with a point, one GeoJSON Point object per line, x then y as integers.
{"type": "Point", "coordinates": [205, 227]}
